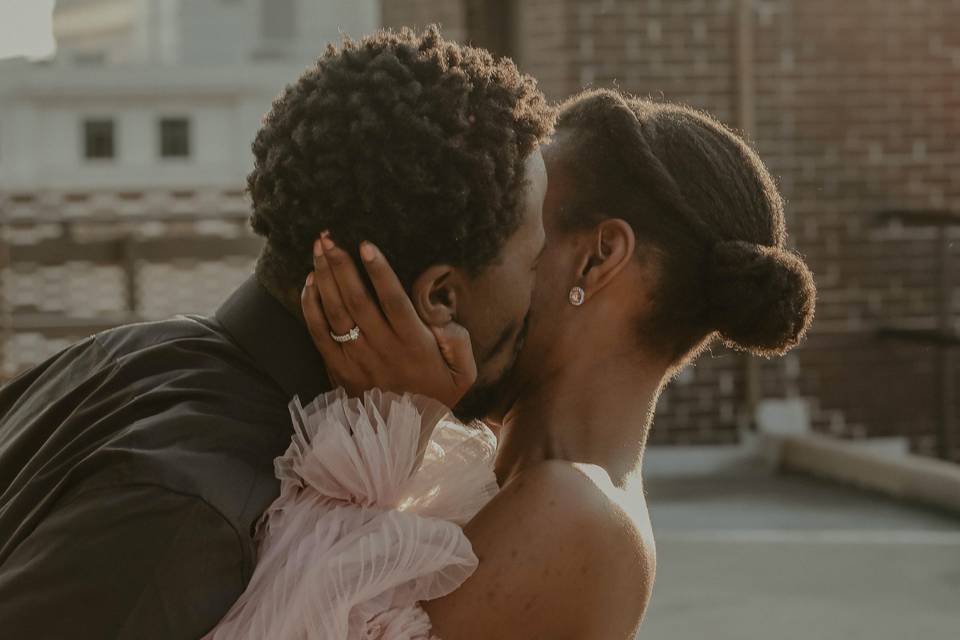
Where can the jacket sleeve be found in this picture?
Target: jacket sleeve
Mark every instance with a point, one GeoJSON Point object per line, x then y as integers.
{"type": "Point", "coordinates": [135, 561]}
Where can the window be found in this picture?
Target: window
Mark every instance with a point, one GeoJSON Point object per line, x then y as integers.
{"type": "Point", "coordinates": [98, 138]}
{"type": "Point", "coordinates": [278, 19]}
{"type": "Point", "coordinates": [174, 138]}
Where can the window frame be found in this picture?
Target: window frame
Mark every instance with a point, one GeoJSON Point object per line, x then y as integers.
{"type": "Point", "coordinates": [86, 124]}
{"type": "Point", "coordinates": [162, 139]}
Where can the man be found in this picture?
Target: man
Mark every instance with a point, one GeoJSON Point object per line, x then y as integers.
{"type": "Point", "coordinates": [135, 464]}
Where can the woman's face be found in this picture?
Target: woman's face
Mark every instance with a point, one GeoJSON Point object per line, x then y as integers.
{"type": "Point", "coordinates": [550, 309]}
{"type": "Point", "coordinates": [495, 307]}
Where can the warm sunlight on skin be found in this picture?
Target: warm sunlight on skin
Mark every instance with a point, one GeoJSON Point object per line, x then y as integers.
{"type": "Point", "coordinates": [26, 29]}
{"type": "Point", "coordinates": [631, 502]}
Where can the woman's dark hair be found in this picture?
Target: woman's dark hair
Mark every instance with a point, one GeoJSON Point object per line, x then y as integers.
{"type": "Point", "coordinates": [699, 197]}
{"type": "Point", "coordinates": [407, 140]}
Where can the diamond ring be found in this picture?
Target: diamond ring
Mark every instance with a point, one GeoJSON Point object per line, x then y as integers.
{"type": "Point", "coordinates": [350, 336]}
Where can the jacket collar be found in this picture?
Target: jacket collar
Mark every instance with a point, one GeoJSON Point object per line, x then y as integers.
{"type": "Point", "coordinates": [276, 340]}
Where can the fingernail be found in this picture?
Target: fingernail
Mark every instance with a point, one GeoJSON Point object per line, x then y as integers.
{"type": "Point", "coordinates": [368, 252]}
{"type": "Point", "coordinates": [326, 242]}
{"type": "Point", "coordinates": [310, 279]}
{"type": "Point", "coordinates": [317, 248]}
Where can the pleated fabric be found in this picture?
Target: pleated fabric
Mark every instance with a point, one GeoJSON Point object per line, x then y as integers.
{"type": "Point", "coordinates": [373, 494]}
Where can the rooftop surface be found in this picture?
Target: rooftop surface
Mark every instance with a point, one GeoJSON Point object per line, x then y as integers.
{"type": "Point", "coordinates": [745, 553]}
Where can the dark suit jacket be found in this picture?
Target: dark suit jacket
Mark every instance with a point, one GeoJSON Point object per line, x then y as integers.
{"type": "Point", "coordinates": [134, 464]}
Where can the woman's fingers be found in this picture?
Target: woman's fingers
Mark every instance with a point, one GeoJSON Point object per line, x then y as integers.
{"type": "Point", "coordinates": [317, 323]}
{"type": "Point", "coordinates": [457, 350]}
{"type": "Point", "coordinates": [395, 349]}
{"type": "Point", "coordinates": [394, 300]}
{"type": "Point", "coordinates": [353, 293]}
{"type": "Point", "coordinates": [339, 318]}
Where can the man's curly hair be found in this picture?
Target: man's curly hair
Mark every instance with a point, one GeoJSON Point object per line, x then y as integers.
{"type": "Point", "coordinates": [407, 140]}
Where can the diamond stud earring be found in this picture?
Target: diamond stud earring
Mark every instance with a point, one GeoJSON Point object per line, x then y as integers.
{"type": "Point", "coordinates": [577, 296]}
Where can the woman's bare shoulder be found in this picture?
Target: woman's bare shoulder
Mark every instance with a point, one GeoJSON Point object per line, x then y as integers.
{"type": "Point", "coordinates": [559, 557]}
{"type": "Point", "coordinates": [589, 495]}
{"type": "Point", "coordinates": [615, 534]}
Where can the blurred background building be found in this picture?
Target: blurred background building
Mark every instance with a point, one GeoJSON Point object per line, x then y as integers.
{"type": "Point", "coordinates": [123, 159]}
{"type": "Point", "coordinates": [122, 165]}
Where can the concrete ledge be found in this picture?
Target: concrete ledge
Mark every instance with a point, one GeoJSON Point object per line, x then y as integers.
{"type": "Point", "coordinates": [669, 461]}
{"type": "Point", "coordinates": [906, 476]}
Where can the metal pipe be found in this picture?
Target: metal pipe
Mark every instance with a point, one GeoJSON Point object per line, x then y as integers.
{"type": "Point", "coordinates": [947, 391]}
{"type": "Point", "coordinates": [746, 122]}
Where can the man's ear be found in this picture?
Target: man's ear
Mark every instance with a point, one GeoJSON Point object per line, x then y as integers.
{"type": "Point", "coordinates": [613, 243]}
{"type": "Point", "coordinates": [434, 295]}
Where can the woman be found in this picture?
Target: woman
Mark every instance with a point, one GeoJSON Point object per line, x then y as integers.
{"type": "Point", "coordinates": [664, 233]}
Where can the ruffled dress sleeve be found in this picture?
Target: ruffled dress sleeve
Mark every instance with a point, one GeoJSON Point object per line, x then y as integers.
{"type": "Point", "coordinates": [373, 493]}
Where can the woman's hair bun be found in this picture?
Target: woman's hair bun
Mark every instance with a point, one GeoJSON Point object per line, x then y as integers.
{"type": "Point", "coordinates": [760, 298]}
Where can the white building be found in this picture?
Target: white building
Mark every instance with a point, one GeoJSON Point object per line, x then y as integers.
{"type": "Point", "coordinates": [129, 150]}
{"type": "Point", "coordinates": [158, 94]}
{"type": "Point", "coordinates": [206, 32]}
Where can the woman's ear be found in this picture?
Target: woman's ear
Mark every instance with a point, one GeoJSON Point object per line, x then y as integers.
{"type": "Point", "coordinates": [613, 248]}
{"type": "Point", "coordinates": [434, 295]}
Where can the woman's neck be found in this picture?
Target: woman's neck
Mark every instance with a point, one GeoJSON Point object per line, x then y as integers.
{"type": "Point", "coordinates": [594, 409]}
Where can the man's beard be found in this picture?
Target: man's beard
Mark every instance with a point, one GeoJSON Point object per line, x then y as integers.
{"type": "Point", "coordinates": [485, 397]}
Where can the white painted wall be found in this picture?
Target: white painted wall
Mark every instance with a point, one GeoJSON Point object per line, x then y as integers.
{"type": "Point", "coordinates": [42, 110]}
{"type": "Point", "coordinates": [193, 58]}
{"type": "Point", "coordinates": [223, 31]}
{"type": "Point", "coordinates": [177, 32]}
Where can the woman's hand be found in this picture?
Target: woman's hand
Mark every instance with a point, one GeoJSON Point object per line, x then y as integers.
{"type": "Point", "coordinates": [395, 351]}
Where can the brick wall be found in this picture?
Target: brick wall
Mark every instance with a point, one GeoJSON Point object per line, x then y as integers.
{"type": "Point", "coordinates": [855, 107]}
{"type": "Point", "coordinates": [856, 114]}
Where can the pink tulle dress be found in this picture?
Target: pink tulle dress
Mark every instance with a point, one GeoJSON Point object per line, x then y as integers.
{"type": "Point", "coordinates": [373, 495]}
